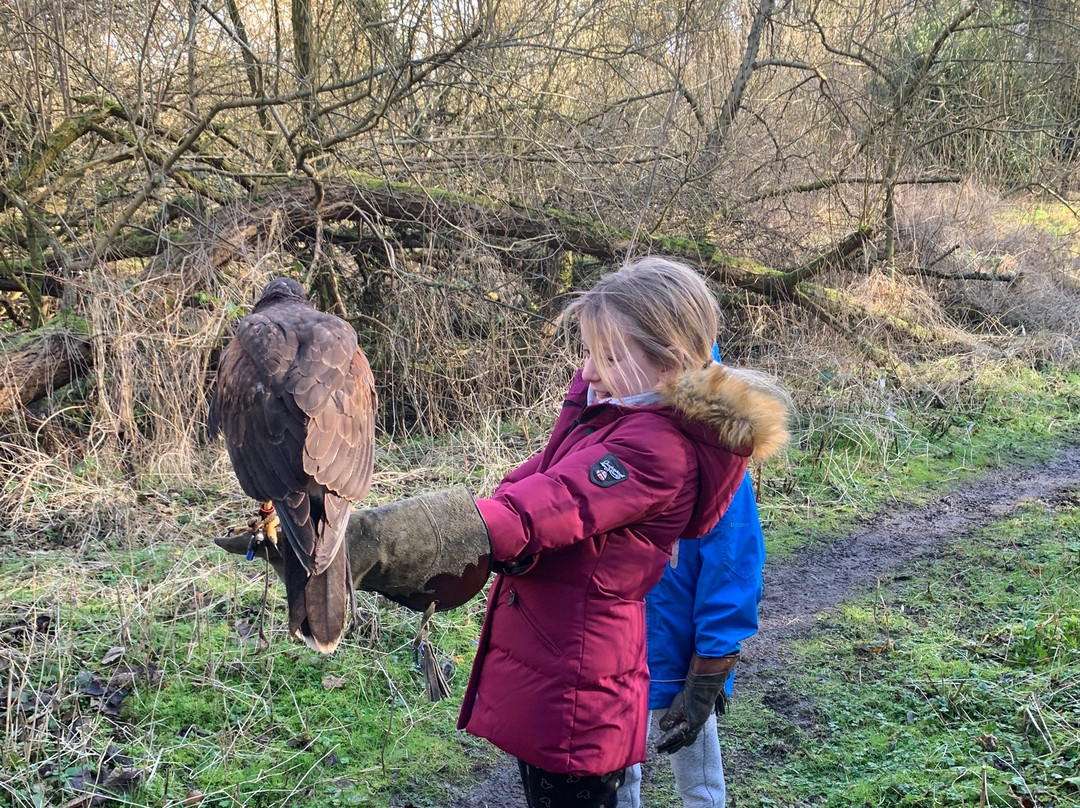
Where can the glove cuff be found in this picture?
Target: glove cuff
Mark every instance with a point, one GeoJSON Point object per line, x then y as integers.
{"type": "Point", "coordinates": [431, 548]}
{"type": "Point", "coordinates": [706, 679]}
{"type": "Point", "coordinates": [713, 665]}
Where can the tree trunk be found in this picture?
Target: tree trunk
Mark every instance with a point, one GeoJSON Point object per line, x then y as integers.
{"type": "Point", "coordinates": [35, 370]}
{"type": "Point", "coordinates": [718, 137]}
{"type": "Point", "coordinates": [251, 64]}
{"type": "Point", "coordinates": [304, 57]}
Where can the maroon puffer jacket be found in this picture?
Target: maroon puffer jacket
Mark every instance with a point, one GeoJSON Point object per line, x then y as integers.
{"type": "Point", "coordinates": [560, 678]}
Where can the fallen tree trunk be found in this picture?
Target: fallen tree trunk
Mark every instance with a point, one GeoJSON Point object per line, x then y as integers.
{"type": "Point", "coordinates": [47, 363]}
{"type": "Point", "coordinates": [236, 230]}
{"type": "Point", "coordinates": [402, 215]}
{"type": "Point", "coordinates": [56, 270]}
{"type": "Point", "coordinates": [833, 306]}
{"type": "Point", "coordinates": [50, 285]}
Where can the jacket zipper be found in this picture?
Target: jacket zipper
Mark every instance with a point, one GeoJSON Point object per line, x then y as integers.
{"type": "Point", "coordinates": [513, 600]}
{"type": "Point", "coordinates": [585, 416]}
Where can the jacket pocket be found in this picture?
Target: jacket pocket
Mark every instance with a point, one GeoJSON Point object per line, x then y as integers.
{"type": "Point", "coordinates": [513, 600]}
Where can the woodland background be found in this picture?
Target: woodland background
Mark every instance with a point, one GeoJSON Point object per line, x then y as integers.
{"type": "Point", "coordinates": [883, 193]}
{"type": "Point", "coordinates": [444, 173]}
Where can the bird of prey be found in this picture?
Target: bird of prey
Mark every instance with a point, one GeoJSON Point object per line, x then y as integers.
{"type": "Point", "coordinates": [295, 400]}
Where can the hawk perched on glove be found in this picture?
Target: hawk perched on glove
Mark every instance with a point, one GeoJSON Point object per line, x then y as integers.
{"type": "Point", "coordinates": [295, 400]}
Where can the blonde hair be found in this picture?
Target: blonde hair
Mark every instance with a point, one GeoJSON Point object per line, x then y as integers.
{"type": "Point", "coordinates": [663, 305]}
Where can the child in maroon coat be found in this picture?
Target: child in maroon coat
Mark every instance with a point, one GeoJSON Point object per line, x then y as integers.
{"type": "Point", "coordinates": [652, 442]}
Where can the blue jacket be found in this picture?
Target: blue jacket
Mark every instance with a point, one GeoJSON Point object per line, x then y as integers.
{"type": "Point", "coordinates": [708, 601]}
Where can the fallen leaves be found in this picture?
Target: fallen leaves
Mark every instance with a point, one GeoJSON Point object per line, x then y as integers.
{"type": "Point", "coordinates": [244, 628]}
{"type": "Point", "coordinates": [112, 777]}
{"type": "Point", "coordinates": [251, 633]}
{"type": "Point", "coordinates": [988, 742]}
{"type": "Point", "coordinates": [118, 686]}
{"type": "Point", "coordinates": [27, 625]}
{"type": "Point", "coordinates": [131, 675]}
{"type": "Point", "coordinates": [59, 709]}
{"type": "Point", "coordinates": [303, 741]}
{"type": "Point", "coordinates": [20, 698]}
{"type": "Point", "coordinates": [106, 783]}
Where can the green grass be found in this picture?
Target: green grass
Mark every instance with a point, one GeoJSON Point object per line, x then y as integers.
{"type": "Point", "coordinates": [208, 719]}
{"type": "Point", "coordinates": [958, 685]}
{"type": "Point", "coordinates": [1054, 218]}
{"type": "Point", "coordinates": [846, 462]}
{"type": "Point", "coordinates": [204, 710]}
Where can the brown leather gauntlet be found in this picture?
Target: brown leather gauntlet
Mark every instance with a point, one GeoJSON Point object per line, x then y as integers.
{"type": "Point", "coordinates": [701, 696]}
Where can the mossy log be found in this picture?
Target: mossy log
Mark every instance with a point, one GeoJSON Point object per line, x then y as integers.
{"type": "Point", "coordinates": [834, 306]}
{"type": "Point", "coordinates": [66, 132]}
{"type": "Point", "coordinates": [402, 209]}
{"type": "Point", "coordinates": [191, 259]}
{"type": "Point", "coordinates": [53, 267]}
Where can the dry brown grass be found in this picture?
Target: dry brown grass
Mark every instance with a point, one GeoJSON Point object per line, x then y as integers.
{"type": "Point", "coordinates": [1036, 241]}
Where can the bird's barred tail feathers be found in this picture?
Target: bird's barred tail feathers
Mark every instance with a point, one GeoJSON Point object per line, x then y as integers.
{"type": "Point", "coordinates": [325, 599]}
{"type": "Point", "coordinates": [317, 601]}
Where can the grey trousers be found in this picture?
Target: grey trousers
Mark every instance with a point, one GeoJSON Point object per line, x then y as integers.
{"type": "Point", "coordinates": [698, 770]}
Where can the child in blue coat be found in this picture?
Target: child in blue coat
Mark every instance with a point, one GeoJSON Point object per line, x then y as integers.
{"type": "Point", "coordinates": [705, 605]}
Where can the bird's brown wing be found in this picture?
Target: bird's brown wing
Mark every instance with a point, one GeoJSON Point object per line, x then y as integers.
{"type": "Point", "coordinates": [333, 385]}
{"type": "Point", "coordinates": [339, 452]}
{"type": "Point", "coordinates": [332, 382]}
{"type": "Point", "coordinates": [264, 428]}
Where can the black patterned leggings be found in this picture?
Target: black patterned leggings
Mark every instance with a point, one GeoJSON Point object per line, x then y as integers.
{"type": "Point", "coordinates": [549, 790]}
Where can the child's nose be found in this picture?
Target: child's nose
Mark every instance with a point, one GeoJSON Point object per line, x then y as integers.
{"type": "Point", "coordinates": [588, 372]}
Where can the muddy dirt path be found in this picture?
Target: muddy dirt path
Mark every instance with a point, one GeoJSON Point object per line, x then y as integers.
{"type": "Point", "coordinates": [823, 576]}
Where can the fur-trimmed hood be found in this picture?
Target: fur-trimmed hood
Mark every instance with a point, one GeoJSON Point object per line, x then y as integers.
{"type": "Point", "coordinates": [744, 409]}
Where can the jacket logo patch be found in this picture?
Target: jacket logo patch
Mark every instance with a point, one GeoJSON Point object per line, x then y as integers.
{"type": "Point", "coordinates": [607, 471]}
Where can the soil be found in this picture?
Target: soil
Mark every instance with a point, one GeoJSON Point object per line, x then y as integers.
{"type": "Point", "coordinates": [818, 578]}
